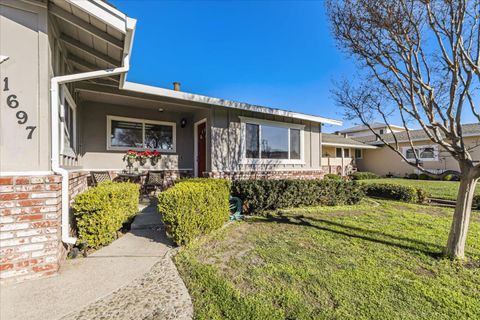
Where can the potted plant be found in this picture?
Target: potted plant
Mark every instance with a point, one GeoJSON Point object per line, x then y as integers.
{"type": "Point", "coordinates": [142, 157]}
{"type": "Point", "coordinates": [130, 157]}
{"type": "Point", "coordinates": [154, 157]}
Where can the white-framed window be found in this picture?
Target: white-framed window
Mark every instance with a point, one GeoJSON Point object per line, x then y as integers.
{"type": "Point", "coordinates": [265, 141]}
{"type": "Point", "coordinates": [424, 153]}
{"type": "Point", "coordinates": [68, 123]}
{"type": "Point", "coordinates": [358, 154]}
{"type": "Point", "coordinates": [138, 134]}
{"type": "Point", "coordinates": [346, 153]}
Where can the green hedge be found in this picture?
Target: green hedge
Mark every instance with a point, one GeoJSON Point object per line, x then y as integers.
{"type": "Point", "coordinates": [396, 192]}
{"type": "Point", "coordinates": [364, 176]}
{"type": "Point", "coordinates": [194, 207]}
{"type": "Point", "coordinates": [332, 176]}
{"type": "Point", "coordinates": [102, 210]}
{"type": "Point", "coordinates": [260, 195]}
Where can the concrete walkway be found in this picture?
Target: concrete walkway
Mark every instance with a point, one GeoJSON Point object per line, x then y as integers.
{"type": "Point", "coordinates": [133, 278]}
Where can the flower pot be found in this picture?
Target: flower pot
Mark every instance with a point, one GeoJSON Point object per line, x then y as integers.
{"type": "Point", "coordinates": [130, 161]}
{"type": "Point", "coordinates": [143, 161]}
{"type": "Point", "coordinates": [154, 161]}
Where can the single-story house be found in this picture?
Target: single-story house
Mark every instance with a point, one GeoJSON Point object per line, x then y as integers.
{"type": "Point", "coordinates": [67, 109]}
{"type": "Point", "coordinates": [382, 160]}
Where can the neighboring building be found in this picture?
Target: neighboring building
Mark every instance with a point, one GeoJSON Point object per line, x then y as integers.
{"type": "Point", "coordinates": [341, 155]}
{"type": "Point", "coordinates": [67, 109]}
{"type": "Point", "coordinates": [384, 161]}
{"type": "Point", "coordinates": [363, 130]}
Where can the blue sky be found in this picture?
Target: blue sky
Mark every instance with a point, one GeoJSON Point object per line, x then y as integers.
{"type": "Point", "coordinates": [273, 53]}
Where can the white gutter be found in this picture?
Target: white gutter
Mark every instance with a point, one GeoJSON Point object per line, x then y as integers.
{"type": "Point", "coordinates": [333, 144]}
{"type": "Point", "coordinates": [54, 101]}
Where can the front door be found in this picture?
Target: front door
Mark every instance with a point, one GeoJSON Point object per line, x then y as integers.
{"type": "Point", "coordinates": [201, 148]}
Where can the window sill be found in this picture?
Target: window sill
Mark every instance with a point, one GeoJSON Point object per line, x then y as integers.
{"type": "Point", "coordinates": [139, 149]}
{"type": "Point", "coordinates": [271, 161]}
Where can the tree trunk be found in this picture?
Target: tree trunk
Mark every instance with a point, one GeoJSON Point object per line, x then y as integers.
{"type": "Point", "coordinates": [461, 218]}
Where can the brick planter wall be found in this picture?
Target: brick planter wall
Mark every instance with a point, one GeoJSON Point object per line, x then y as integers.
{"type": "Point", "coordinates": [30, 227]}
{"type": "Point", "coordinates": [277, 174]}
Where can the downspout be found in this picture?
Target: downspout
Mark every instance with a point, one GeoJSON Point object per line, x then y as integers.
{"type": "Point", "coordinates": [55, 83]}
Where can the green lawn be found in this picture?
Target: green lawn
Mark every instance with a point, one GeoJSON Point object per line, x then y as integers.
{"type": "Point", "coordinates": [437, 189]}
{"type": "Point", "coordinates": [358, 262]}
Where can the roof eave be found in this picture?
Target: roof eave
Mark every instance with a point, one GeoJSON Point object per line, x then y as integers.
{"type": "Point", "coordinates": [333, 144]}
{"type": "Point", "coordinates": [137, 87]}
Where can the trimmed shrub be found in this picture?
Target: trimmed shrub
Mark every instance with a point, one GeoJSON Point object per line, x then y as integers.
{"type": "Point", "coordinates": [194, 207]}
{"type": "Point", "coordinates": [412, 176]}
{"type": "Point", "coordinates": [333, 176]}
{"type": "Point", "coordinates": [261, 195]}
{"type": "Point", "coordinates": [396, 192]}
{"type": "Point", "coordinates": [102, 210]}
{"type": "Point", "coordinates": [451, 177]}
{"type": "Point", "coordinates": [364, 176]}
{"type": "Point", "coordinates": [476, 202]}
{"type": "Point", "coordinates": [424, 176]}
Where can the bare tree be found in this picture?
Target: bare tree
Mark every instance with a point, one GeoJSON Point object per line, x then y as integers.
{"type": "Point", "coordinates": [419, 61]}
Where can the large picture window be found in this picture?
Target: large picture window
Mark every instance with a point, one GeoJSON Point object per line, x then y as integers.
{"type": "Point", "coordinates": [128, 133]}
{"type": "Point", "coordinates": [272, 141]}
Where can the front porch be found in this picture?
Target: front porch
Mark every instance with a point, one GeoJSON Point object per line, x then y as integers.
{"type": "Point", "coordinates": [109, 122]}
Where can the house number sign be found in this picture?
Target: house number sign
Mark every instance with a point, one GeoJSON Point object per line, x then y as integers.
{"type": "Point", "coordinates": [13, 103]}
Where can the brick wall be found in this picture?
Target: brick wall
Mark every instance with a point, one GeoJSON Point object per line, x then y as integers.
{"type": "Point", "coordinates": [277, 174]}
{"type": "Point", "coordinates": [30, 227]}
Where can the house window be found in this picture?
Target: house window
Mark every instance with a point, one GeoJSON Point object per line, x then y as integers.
{"type": "Point", "coordinates": [358, 153]}
{"type": "Point", "coordinates": [265, 140]}
{"type": "Point", "coordinates": [68, 115]}
{"type": "Point", "coordinates": [424, 153]}
{"type": "Point", "coordinates": [346, 153]}
{"type": "Point", "coordinates": [128, 133]}
{"type": "Point", "coordinates": [382, 131]}
{"type": "Point", "coordinates": [338, 152]}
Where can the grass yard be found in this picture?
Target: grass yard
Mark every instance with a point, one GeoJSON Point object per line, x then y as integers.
{"type": "Point", "coordinates": [437, 189]}
{"type": "Point", "coordinates": [358, 262]}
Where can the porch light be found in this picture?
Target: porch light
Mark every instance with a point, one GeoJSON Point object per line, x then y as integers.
{"type": "Point", "coordinates": [183, 123]}
{"type": "Point", "coordinates": [160, 110]}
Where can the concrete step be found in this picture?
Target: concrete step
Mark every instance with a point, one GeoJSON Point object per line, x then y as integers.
{"type": "Point", "coordinates": [146, 218]}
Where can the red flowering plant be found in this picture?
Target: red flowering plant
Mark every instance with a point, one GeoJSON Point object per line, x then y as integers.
{"type": "Point", "coordinates": [154, 157]}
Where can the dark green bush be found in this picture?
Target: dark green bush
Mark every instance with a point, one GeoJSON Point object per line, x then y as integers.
{"type": "Point", "coordinates": [261, 195]}
{"type": "Point", "coordinates": [333, 176]}
{"type": "Point", "coordinates": [364, 176]}
{"type": "Point", "coordinates": [194, 207]}
{"type": "Point", "coordinates": [451, 177]}
{"type": "Point", "coordinates": [424, 176]}
{"type": "Point", "coordinates": [396, 192]}
{"type": "Point", "coordinates": [476, 202]}
{"type": "Point", "coordinates": [102, 210]}
{"type": "Point", "coordinates": [413, 176]}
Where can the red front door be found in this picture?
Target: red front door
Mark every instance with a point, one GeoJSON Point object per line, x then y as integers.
{"type": "Point", "coordinates": [201, 148]}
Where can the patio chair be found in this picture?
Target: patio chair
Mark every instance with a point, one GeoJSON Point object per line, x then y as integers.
{"type": "Point", "coordinates": [100, 176]}
{"type": "Point", "coordinates": [154, 181]}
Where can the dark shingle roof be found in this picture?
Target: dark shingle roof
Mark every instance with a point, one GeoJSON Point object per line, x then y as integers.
{"type": "Point", "coordinates": [471, 129]}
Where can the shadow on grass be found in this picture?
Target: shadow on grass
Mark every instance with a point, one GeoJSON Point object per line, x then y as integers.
{"type": "Point", "coordinates": [358, 233]}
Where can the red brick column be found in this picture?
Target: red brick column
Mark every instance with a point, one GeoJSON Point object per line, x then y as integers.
{"type": "Point", "coordinates": [30, 227]}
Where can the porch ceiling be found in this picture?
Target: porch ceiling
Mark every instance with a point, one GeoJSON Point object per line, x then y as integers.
{"type": "Point", "coordinates": [89, 41]}
{"type": "Point", "coordinates": [111, 95]}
